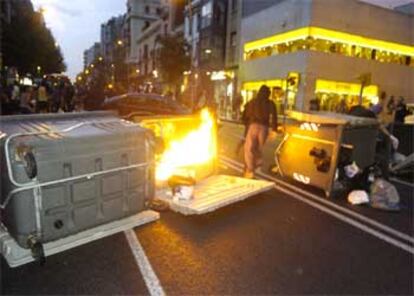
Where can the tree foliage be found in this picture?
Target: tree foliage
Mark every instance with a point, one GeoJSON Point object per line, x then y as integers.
{"type": "Point", "coordinates": [173, 58]}
{"type": "Point", "coordinates": [28, 43]}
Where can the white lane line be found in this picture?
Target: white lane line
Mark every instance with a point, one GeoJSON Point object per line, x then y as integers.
{"type": "Point", "coordinates": [151, 280]}
{"type": "Point", "coordinates": [331, 204]}
{"type": "Point", "coordinates": [237, 136]}
{"type": "Point", "coordinates": [396, 180]}
{"type": "Point", "coordinates": [342, 217]}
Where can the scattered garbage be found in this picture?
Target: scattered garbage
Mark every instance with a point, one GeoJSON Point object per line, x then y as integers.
{"type": "Point", "coordinates": [182, 187]}
{"type": "Point", "coordinates": [351, 170]}
{"type": "Point", "coordinates": [358, 197]}
{"type": "Point", "coordinates": [384, 196]}
{"type": "Point", "coordinates": [367, 186]}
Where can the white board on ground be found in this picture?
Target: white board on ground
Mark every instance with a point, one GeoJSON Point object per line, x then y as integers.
{"type": "Point", "coordinates": [215, 192]}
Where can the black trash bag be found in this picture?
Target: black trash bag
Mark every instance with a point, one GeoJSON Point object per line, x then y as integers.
{"type": "Point", "coordinates": [361, 181]}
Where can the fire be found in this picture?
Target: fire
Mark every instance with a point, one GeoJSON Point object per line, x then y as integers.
{"type": "Point", "coordinates": [194, 148]}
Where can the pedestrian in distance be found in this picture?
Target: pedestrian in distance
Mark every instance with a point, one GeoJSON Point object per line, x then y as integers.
{"type": "Point", "coordinates": [401, 111]}
{"type": "Point", "coordinates": [67, 96]}
{"type": "Point", "coordinates": [15, 98]}
{"type": "Point", "coordinates": [56, 98]}
{"type": "Point", "coordinates": [237, 103]}
{"type": "Point", "coordinates": [379, 106]}
{"type": "Point", "coordinates": [314, 104]}
{"type": "Point", "coordinates": [26, 105]}
{"type": "Point", "coordinates": [261, 115]}
{"type": "Point", "coordinates": [42, 105]}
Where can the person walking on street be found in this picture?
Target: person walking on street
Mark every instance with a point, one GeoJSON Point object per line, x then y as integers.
{"type": "Point", "coordinates": [245, 120]}
{"type": "Point", "coordinates": [260, 111]}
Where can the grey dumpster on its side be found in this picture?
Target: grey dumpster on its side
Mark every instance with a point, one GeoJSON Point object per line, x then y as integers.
{"type": "Point", "coordinates": [66, 173]}
{"type": "Point", "coordinates": [314, 142]}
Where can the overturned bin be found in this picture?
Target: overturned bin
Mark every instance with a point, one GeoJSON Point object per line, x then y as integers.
{"type": "Point", "coordinates": [67, 179]}
{"type": "Point", "coordinates": [186, 166]}
{"type": "Point", "coordinates": [315, 143]}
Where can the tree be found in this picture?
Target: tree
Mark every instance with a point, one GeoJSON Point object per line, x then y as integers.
{"type": "Point", "coordinates": [28, 43]}
{"type": "Point", "coordinates": [173, 59]}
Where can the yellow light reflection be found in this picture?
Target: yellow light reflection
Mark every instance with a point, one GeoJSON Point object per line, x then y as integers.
{"type": "Point", "coordinates": [344, 88]}
{"type": "Point", "coordinates": [331, 35]}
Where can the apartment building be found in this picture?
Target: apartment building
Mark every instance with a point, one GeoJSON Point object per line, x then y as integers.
{"type": "Point", "coordinates": [92, 54]}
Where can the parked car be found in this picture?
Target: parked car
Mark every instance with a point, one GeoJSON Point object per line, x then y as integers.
{"type": "Point", "coordinates": [142, 104]}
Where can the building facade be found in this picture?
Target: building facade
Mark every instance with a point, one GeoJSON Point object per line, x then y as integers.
{"type": "Point", "coordinates": [5, 18]}
{"type": "Point", "coordinates": [224, 48]}
{"type": "Point", "coordinates": [140, 15]}
{"type": "Point", "coordinates": [205, 31]}
{"type": "Point", "coordinates": [148, 46]}
{"type": "Point", "coordinates": [326, 49]}
{"type": "Point", "coordinates": [112, 38]}
{"type": "Point", "coordinates": [91, 54]}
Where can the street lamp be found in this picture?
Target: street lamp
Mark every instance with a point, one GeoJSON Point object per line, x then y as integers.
{"type": "Point", "coordinates": [120, 43]}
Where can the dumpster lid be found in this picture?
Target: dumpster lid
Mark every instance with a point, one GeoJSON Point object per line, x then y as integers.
{"type": "Point", "coordinates": [332, 118]}
{"type": "Point", "coordinates": [214, 193]}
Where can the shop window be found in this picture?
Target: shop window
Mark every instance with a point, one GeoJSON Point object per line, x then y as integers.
{"type": "Point", "coordinates": [330, 47]}
{"type": "Point", "coordinates": [341, 96]}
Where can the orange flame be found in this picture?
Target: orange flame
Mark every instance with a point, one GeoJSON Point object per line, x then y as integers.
{"type": "Point", "coordinates": [197, 147]}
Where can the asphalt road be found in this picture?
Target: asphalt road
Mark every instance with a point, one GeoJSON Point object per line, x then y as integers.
{"type": "Point", "coordinates": [274, 243]}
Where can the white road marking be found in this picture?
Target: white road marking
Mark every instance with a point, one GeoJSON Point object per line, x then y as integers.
{"type": "Point", "coordinates": [396, 180]}
{"type": "Point", "coordinates": [342, 217]}
{"type": "Point", "coordinates": [151, 280]}
{"type": "Point", "coordinates": [331, 204]}
{"type": "Point", "coordinates": [223, 166]}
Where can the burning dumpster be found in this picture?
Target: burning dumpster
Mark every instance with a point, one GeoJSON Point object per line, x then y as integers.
{"type": "Point", "coordinates": [315, 143]}
{"type": "Point", "coordinates": [186, 166]}
{"type": "Point", "coordinates": [189, 144]}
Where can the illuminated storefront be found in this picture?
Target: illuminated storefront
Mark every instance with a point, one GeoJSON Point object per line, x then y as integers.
{"type": "Point", "coordinates": [278, 90]}
{"type": "Point", "coordinates": [333, 42]}
{"type": "Point", "coordinates": [334, 95]}
{"type": "Point", "coordinates": [330, 53]}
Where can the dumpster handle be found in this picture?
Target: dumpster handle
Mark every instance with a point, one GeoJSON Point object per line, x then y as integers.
{"type": "Point", "coordinates": [66, 130]}
{"type": "Point", "coordinates": [277, 151]}
{"type": "Point", "coordinates": [89, 176]}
